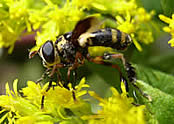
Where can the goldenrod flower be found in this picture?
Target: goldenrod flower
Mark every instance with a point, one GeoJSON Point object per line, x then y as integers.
{"type": "Point", "coordinates": [50, 19]}
{"type": "Point", "coordinates": [61, 107]}
{"type": "Point", "coordinates": [13, 22]}
{"type": "Point", "coordinates": [126, 24]}
{"type": "Point", "coordinates": [59, 20]}
{"type": "Point", "coordinates": [63, 97]}
{"type": "Point", "coordinates": [28, 110]}
{"type": "Point", "coordinates": [136, 22]}
{"type": "Point", "coordinates": [170, 28]}
{"type": "Point", "coordinates": [117, 109]}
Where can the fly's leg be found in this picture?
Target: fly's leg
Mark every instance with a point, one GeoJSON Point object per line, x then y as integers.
{"type": "Point", "coordinates": [128, 67]}
{"type": "Point", "coordinates": [79, 60]}
{"type": "Point", "coordinates": [130, 73]}
{"type": "Point", "coordinates": [68, 76]}
{"type": "Point", "coordinates": [142, 93]}
{"type": "Point", "coordinates": [101, 60]}
{"type": "Point", "coordinates": [43, 97]}
{"type": "Point", "coordinates": [43, 75]}
{"type": "Point", "coordinates": [74, 73]}
{"type": "Point", "coordinates": [55, 67]}
{"type": "Point", "coordinates": [48, 72]}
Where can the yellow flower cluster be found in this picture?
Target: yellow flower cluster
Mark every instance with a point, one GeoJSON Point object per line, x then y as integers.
{"type": "Point", "coordinates": [12, 22]}
{"type": "Point", "coordinates": [136, 22]}
{"type": "Point", "coordinates": [27, 109]}
{"type": "Point", "coordinates": [170, 28]}
{"type": "Point", "coordinates": [117, 109]}
{"type": "Point", "coordinates": [51, 18]}
{"type": "Point", "coordinates": [59, 20]}
{"type": "Point", "coordinates": [60, 106]}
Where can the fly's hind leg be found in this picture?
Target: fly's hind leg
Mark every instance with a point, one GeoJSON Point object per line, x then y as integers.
{"type": "Point", "coordinates": [107, 56]}
{"type": "Point", "coordinates": [128, 67]}
{"type": "Point", "coordinates": [130, 73]}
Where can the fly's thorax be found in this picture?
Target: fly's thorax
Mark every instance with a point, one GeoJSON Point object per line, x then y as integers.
{"type": "Point", "coordinates": [60, 42]}
{"type": "Point", "coordinates": [65, 48]}
{"type": "Point", "coordinates": [49, 54]}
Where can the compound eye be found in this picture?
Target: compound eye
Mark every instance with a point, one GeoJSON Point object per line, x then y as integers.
{"type": "Point", "coordinates": [48, 52]}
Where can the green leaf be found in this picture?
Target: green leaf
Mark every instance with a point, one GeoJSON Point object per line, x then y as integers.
{"type": "Point", "coordinates": [162, 106]}
{"type": "Point", "coordinates": [160, 87]}
{"type": "Point", "coordinates": [167, 6]}
{"type": "Point", "coordinates": [156, 79]}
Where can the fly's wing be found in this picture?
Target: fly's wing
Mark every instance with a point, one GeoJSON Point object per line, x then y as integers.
{"type": "Point", "coordinates": [89, 24]}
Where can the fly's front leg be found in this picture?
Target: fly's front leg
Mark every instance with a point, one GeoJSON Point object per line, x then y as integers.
{"type": "Point", "coordinates": [68, 76]}
{"type": "Point", "coordinates": [79, 60]}
{"type": "Point", "coordinates": [59, 81]}
{"type": "Point", "coordinates": [43, 75]}
{"type": "Point", "coordinates": [55, 67]}
{"type": "Point", "coordinates": [43, 96]}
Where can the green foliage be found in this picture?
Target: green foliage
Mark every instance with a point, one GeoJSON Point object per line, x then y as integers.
{"type": "Point", "coordinates": [156, 79]}
{"type": "Point", "coordinates": [167, 6]}
{"type": "Point", "coordinates": [160, 87]}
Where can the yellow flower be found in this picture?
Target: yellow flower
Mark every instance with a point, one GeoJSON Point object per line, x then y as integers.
{"type": "Point", "coordinates": [117, 109]}
{"type": "Point", "coordinates": [58, 21]}
{"type": "Point", "coordinates": [136, 24]}
{"type": "Point", "coordinates": [170, 28]}
{"type": "Point", "coordinates": [12, 102]}
{"type": "Point", "coordinates": [142, 16]}
{"type": "Point", "coordinates": [147, 37]}
{"type": "Point", "coordinates": [126, 25]}
{"type": "Point", "coordinates": [17, 9]}
{"type": "Point", "coordinates": [64, 97]}
{"type": "Point", "coordinates": [124, 6]}
{"type": "Point", "coordinates": [27, 109]}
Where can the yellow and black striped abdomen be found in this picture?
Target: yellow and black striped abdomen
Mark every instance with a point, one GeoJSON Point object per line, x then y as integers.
{"type": "Point", "coordinates": [110, 38]}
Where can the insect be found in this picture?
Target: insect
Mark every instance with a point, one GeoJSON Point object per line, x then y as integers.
{"type": "Point", "coordinates": [71, 49]}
